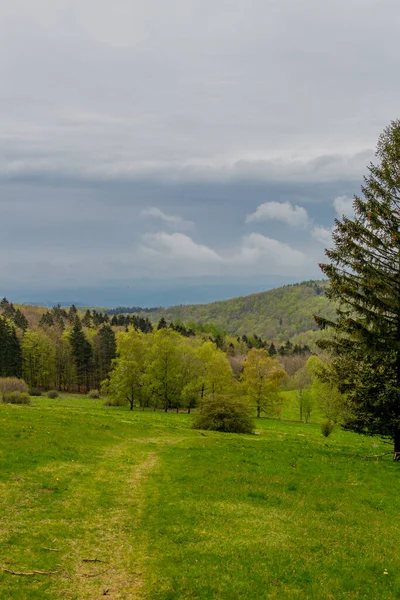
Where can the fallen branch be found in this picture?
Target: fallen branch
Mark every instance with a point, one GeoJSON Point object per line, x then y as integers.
{"type": "Point", "coordinates": [376, 455]}
{"type": "Point", "coordinates": [51, 549]}
{"type": "Point", "coordinates": [92, 560]}
{"type": "Point", "coordinates": [29, 572]}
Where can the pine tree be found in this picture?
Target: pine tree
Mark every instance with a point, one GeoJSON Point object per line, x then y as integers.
{"type": "Point", "coordinates": [105, 351]}
{"type": "Point", "coordinates": [4, 303]}
{"type": "Point", "coordinates": [72, 313]}
{"type": "Point", "coordinates": [10, 350]}
{"type": "Point", "coordinates": [162, 324]}
{"type": "Point", "coordinates": [83, 355]}
{"type": "Point", "coordinates": [20, 320]}
{"type": "Point", "coordinates": [364, 274]}
{"type": "Point", "coordinates": [46, 320]}
{"type": "Point", "coordinates": [87, 319]}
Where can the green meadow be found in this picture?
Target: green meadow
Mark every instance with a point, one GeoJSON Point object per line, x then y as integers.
{"type": "Point", "coordinates": [103, 502]}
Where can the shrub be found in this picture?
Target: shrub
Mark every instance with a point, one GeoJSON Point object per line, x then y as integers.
{"type": "Point", "coordinates": [114, 402]}
{"type": "Point", "coordinates": [17, 398]}
{"type": "Point", "coordinates": [52, 394]}
{"type": "Point", "coordinates": [35, 392]}
{"type": "Point", "coordinates": [327, 427]}
{"type": "Point", "coordinates": [12, 384]}
{"type": "Point", "coordinates": [94, 394]}
{"type": "Point", "coordinates": [224, 414]}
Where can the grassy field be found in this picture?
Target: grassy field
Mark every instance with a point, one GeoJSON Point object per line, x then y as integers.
{"type": "Point", "coordinates": [174, 513]}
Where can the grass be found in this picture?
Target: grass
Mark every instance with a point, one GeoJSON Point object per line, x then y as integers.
{"type": "Point", "coordinates": [175, 513]}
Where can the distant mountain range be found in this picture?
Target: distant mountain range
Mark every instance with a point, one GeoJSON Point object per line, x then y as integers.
{"type": "Point", "coordinates": [281, 314]}
{"type": "Point", "coordinates": [146, 292]}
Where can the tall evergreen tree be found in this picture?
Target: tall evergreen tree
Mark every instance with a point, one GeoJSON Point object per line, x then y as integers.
{"type": "Point", "coordinates": [364, 274]}
{"type": "Point", "coordinates": [46, 320]}
{"type": "Point", "coordinates": [10, 350]}
{"type": "Point", "coordinates": [4, 303]}
{"type": "Point", "coordinates": [87, 319]}
{"type": "Point", "coordinates": [162, 324]}
{"type": "Point", "coordinates": [20, 320]}
{"type": "Point", "coordinates": [72, 313]}
{"type": "Point", "coordinates": [83, 355]}
{"type": "Point", "coordinates": [105, 351]}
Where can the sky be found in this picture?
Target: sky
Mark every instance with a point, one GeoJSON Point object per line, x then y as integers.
{"type": "Point", "coordinates": [157, 153]}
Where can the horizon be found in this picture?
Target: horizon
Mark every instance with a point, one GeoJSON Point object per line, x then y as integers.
{"type": "Point", "coordinates": [209, 298]}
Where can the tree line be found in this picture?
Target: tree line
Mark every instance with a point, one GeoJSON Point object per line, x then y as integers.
{"type": "Point", "coordinates": [73, 351]}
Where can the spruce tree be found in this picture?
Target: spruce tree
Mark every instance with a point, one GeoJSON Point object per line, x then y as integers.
{"type": "Point", "coordinates": [20, 320]}
{"type": "Point", "coordinates": [10, 350]}
{"type": "Point", "coordinates": [82, 353]}
{"type": "Point", "coordinates": [162, 324]}
{"type": "Point", "coordinates": [105, 351]}
{"type": "Point", "coordinates": [364, 274]}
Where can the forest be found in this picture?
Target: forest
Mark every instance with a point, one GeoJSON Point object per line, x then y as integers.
{"type": "Point", "coordinates": [281, 314]}
{"type": "Point", "coordinates": [127, 359]}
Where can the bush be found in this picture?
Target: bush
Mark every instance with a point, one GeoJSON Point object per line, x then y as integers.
{"type": "Point", "coordinates": [94, 394]}
{"type": "Point", "coordinates": [224, 414]}
{"type": "Point", "coordinates": [35, 392]}
{"type": "Point", "coordinates": [327, 427]}
{"type": "Point", "coordinates": [17, 398]}
{"type": "Point", "coordinates": [12, 384]}
{"type": "Point", "coordinates": [114, 402]}
{"type": "Point", "coordinates": [52, 394]}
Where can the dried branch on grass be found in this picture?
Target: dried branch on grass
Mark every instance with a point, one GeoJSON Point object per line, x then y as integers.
{"type": "Point", "coordinates": [92, 560]}
{"type": "Point", "coordinates": [29, 572]}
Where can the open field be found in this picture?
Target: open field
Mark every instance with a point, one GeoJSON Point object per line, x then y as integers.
{"type": "Point", "coordinates": [174, 513]}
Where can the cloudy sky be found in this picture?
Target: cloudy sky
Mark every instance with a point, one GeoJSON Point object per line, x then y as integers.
{"type": "Point", "coordinates": [159, 152]}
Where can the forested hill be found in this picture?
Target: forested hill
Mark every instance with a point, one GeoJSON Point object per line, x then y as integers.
{"type": "Point", "coordinates": [285, 313]}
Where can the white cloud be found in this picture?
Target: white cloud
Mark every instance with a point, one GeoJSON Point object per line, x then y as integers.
{"type": "Point", "coordinates": [259, 249]}
{"type": "Point", "coordinates": [254, 254]}
{"type": "Point", "coordinates": [171, 220]}
{"type": "Point", "coordinates": [344, 206]}
{"type": "Point", "coordinates": [322, 234]}
{"type": "Point", "coordinates": [295, 216]}
{"type": "Point", "coordinates": [178, 246]}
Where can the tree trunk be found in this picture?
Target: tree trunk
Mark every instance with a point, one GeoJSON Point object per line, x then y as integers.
{"type": "Point", "coordinates": [258, 411]}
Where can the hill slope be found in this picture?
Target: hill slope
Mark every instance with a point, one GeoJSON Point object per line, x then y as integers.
{"type": "Point", "coordinates": [280, 314]}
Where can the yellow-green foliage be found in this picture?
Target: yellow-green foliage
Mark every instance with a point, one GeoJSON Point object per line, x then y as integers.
{"type": "Point", "coordinates": [165, 369]}
{"type": "Point", "coordinates": [262, 380]}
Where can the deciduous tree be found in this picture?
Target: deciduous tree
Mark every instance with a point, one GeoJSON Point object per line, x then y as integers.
{"type": "Point", "coordinates": [262, 379]}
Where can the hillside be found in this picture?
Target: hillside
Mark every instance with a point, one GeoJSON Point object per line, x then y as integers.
{"type": "Point", "coordinates": [285, 313]}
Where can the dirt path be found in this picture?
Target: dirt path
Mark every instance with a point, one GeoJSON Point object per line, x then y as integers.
{"type": "Point", "coordinates": [113, 534]}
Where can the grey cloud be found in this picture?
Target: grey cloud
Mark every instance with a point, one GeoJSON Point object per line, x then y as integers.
{"type": "Point", "coordinates": [322, 235]}
{"type": "Point", "coordinates": [192, 89]}
{"type": "Point", "coordinates": [173, 221]}
{"type": "Point", "coordinates": [255, 253]}
{"type": "Point", "coordinates": [295, 216]}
